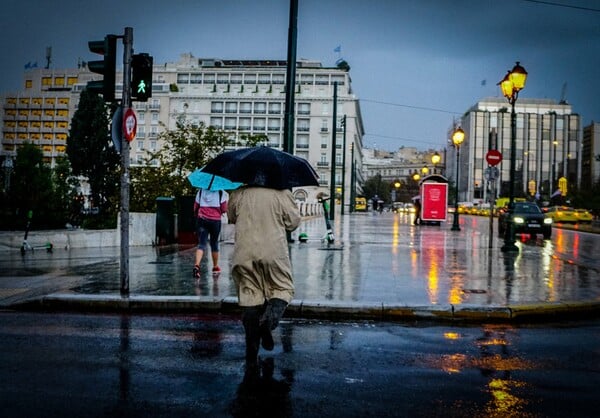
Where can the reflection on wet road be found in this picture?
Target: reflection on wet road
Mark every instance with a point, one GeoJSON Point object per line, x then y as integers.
{"type": "Point", "coordinates": [376, 258]}
{"type": "Point", "coordinates": [192, 365]}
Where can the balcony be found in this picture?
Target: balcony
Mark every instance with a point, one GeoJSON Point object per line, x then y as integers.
{"type": "Point", "coordinates": [322, 164]}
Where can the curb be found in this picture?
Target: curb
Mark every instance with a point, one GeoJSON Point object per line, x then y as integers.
{"type": "Point", "coordinates": [374, 311]}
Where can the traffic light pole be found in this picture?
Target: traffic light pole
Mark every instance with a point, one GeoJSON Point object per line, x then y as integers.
{"type": "Point", "coordinates": [125, 104]}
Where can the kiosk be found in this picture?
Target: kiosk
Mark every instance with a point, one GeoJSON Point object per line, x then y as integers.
{"type": "Point", "coordinates": [433, 191]}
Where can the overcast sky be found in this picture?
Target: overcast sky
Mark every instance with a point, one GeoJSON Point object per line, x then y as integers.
{"type": "Point", "coordinates": [415, 65]}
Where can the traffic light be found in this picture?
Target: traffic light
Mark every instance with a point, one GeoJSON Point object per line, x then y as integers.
{"type": "Point", "coordinates": [106, 67]}
{"type": "Point", "coordinates": [141, 77]}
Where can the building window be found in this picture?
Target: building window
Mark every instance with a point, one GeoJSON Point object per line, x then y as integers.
{"type": "Point", "coordinates": [303, 125]}
{"type": "Point", "coordinates": [259, 124]}
{"type": "Point", "coordinates": [278, 79]}
{"type": "Point", "coordinates": [231, 107]}
{"type": "Point", "coordinates": [274, 108]}
{"type": "Point", "coordinates": [216, 107]}
{"type": "Point", "coordinates": [236, 78]}
{"type": "Point", "coordinates": [304, 108]}
{"type": "Point", "coordinates": [260, 107]}
{"type": "Point", "coordinates": [216, 123]}
{"type": "Point", "coordinates": [154, 120]}
{"type": "Point", "coordinates": [183, 78]}
{"type": "Point", "coordinates": [306, 79]}
{"type": "Point", "coordinates": [324, 125]}
{"type": "Point", "coordinates": [264, 79]}
{"type": "Point", "coordinates": [244, 124]}
{"type": "Point", "coordinates": [274, 140]}
{"type": "Point", "coordinates": [274, 124]}
{"type": "Point", "coordinates": [209, 79]}
{"type": "Point", "coordinates": [322, 80]}
{"type": "Point", "coordinates": [196, 78]}
{"type": "Point", "coordinates": [302, 141]}
{"type": "Point", "coordinates": [230, 124]}
{"type": "Point", "coordinates": [325, 109]}
{"type": "Point", "coordinates": [222, 78]}
{"type": "Point", "coordinates": [249, 78]}
{"type": "Point", "coordinates": [245, 107]}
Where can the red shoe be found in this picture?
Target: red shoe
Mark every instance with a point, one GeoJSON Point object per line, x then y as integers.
{"type": "Point", "coordinates": [216, 270]}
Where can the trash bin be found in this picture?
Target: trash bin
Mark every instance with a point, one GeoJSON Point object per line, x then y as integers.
{"type": "Point", "coordinates": [165, 221]}
{"type": "Point", "coordinates": [186, 222]}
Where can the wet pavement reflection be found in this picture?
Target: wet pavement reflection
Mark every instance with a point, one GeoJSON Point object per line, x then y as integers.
{"type": "Point", "coordinates": [375, 258]}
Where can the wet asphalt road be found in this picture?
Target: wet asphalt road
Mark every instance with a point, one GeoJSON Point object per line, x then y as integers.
{"type": "Point", "coordinates": [71, 364]}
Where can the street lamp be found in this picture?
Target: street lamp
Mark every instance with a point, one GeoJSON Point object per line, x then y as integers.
{"type": "Point", "coordinates": [511, 84]}
{"type": "Point", "coordinates": [457, 138]}
{"type": "Point", "coordinates": [435, 159]}
{"type": "Point", "coordinates": [553, 185]}
{"type": "Point", "coordinates": [425, 170]}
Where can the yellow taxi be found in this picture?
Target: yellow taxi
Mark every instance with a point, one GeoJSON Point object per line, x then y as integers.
{"type": "Point", "coordinates": [562, 214]}
{"type": "Point", "coordinates": [583, 216]}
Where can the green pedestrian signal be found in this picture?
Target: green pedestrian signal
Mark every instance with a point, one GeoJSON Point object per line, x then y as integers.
{"type": "Point", "coordinates": [141, 77]}
{"type": "Point", "coordinates": [106, 67]}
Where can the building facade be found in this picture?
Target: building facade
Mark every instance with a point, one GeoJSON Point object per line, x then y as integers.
{"type": "Point", "coordinates": [548, 148]}
{"type": "Point", "coordinates": [590, 156]}
{"type": "Point", "coordinates": [239, 96]}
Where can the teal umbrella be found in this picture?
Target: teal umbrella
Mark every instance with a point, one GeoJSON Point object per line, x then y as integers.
{"type": "Point", "coordinates": [208, 181]}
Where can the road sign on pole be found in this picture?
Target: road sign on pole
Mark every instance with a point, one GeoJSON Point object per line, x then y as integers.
{"type": "Point", "coordinates": [493, 157]}
{"type": "Point", "coordinates": [129, 125]}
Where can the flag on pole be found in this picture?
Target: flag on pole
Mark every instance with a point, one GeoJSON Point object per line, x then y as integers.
{"type": "Point", "coordinates": [338, 49]}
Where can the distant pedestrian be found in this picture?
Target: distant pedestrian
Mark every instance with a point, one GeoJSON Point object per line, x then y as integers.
{"type": "Point", "coordinates": [417, 204]}
{"type": "Point", "coordinates": [261, 266]}
{"type": "Point", "coordinates": [209, 206]}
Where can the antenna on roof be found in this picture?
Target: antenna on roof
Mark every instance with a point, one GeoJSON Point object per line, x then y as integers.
{"type": "Point", "coordinates": [563, 94]}
{"type": "Point", "coordinates": [48, 56]}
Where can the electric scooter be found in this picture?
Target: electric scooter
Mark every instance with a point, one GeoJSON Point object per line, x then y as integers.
{"type": "Point", "coordinates": [26, 246]}
{"type": "Point", "coordinates": [328, 237]}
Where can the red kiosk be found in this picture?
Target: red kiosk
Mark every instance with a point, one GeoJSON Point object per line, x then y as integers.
{"type": "Point", "coordinates": [433, 191]}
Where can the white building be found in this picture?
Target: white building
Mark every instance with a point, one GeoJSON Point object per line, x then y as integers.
{"type": "Point", "coordinates": [240, 96]}
{"type": "Point", "coordinates": [548, 147]}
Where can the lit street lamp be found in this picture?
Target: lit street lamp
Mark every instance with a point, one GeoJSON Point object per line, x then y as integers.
{"type": "Point", "coordinates": [425, 170]}
{"type": "Point", "coordinates": [513, 82]}
{"type": "Point", "coordinates": [457, 138]}
{"type": "Point", "coordinates": [435, 159]}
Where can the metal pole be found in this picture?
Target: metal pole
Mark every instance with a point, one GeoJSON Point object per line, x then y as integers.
{"type": "Point", "coordinates": [126, 103]}
{"type": "Point", "coordinates": [290, 80]}
{"type": "Point", "coordinates": [333, 152]}
{"type": "Point", "coordinates": [455, 225]}
{"type": "Point", "coordinates": [509, 236]}
{"type": "Point", "coordinates": [343, 167]}
{"type": "Point", "coordinates": [352, 179]}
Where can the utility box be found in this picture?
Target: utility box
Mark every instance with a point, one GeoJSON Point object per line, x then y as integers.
{"type": "Point", "coordinates": [434, 199]}
{"type": "Point", "coordinates": [166, 221]}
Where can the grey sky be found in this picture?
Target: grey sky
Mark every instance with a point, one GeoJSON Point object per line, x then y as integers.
{"type": "Point", "coordinates": [414, 64]}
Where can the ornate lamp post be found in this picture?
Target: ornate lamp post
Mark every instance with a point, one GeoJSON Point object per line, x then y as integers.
{"type": "Point", "coordinates": [511, 85]}
{"type": "Point", "coordinates": [425, 171]}
{"type": "Point", "coordinates": [457, 138]}
{"type": "Point", "coordinates": [435, 159]}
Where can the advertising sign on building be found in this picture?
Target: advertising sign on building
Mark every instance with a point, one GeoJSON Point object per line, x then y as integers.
{"type": "Point", "coordinates": [434, 201]}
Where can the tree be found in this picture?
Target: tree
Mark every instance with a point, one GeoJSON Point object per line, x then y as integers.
{"type": "Point", "coordinates": [31, 187]}
{"type": "Point", "coordinates": [188, 147]}
{"type": "Point", "coordinates": [67, 204]}
{"type": "Point", "coordinates": [376, 186]}
{"type": "Point", "coordinates": [93, 156]}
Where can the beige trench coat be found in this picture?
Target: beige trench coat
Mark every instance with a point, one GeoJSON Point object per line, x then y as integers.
{"type": "Point", "coordinates": [261, 263]}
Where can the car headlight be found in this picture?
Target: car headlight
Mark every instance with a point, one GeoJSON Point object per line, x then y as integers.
{"type": "Point", "coordinates": [518, 220]}
{"type": "Point", "coordinates": [548, 221]}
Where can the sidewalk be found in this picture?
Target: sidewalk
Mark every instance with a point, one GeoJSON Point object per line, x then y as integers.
{"type": "Point", "coordinates": [381, 267]}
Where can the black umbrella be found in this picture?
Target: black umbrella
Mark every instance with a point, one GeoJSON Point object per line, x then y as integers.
{"type": "Point", "coordinates": [263, 166]}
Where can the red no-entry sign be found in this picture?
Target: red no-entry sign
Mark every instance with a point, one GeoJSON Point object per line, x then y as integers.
{"type": "Point", "coordinates": [493, 157]}
{"type": "Point", "coordinates": [129, 124]}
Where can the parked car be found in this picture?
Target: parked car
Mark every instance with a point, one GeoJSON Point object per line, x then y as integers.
{"type": "Point", "coordinates": [527, 218]}
{"type": "Point", "coordinates": [562, 214]}
{"type": "Point", "coordinates": [584, 216]}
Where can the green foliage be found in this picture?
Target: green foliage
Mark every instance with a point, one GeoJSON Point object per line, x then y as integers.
{"type": "Point", "coordinates": [376, 186]}
{"type": "Point", "coordinates": [92, 154]}
{"type": "Point", "coordinates": [188, 147]}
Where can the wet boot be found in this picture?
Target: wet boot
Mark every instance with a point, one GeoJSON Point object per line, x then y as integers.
{"type": "Point", "coordinates": [270, 320]}
{"type": "Point", "coordinates": [250, 320]}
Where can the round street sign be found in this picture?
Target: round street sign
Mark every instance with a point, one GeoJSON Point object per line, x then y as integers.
{"type": "Point", "coordinates": [493, 157]}
{"type": "Point", "coordinates": [129, 125]}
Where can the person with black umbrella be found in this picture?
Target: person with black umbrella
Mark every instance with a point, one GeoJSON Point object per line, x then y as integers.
{"type": "Point", "coordinates": [261, 266]}
{"type": "Point", "coordinates": [263, 212]}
